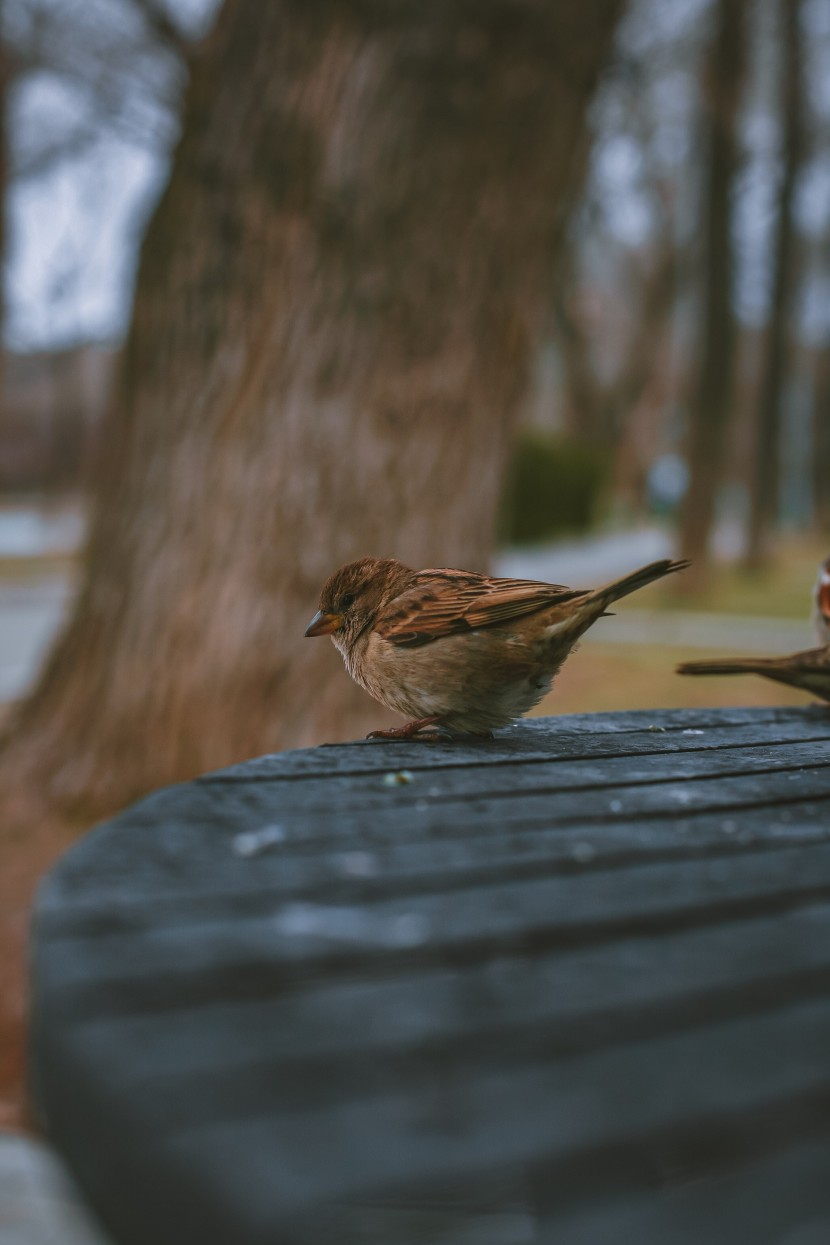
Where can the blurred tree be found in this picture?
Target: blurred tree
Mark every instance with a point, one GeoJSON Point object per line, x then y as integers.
{"type": "Point", "coordinates": [603, 409]}
{"type": "Point", "coordinates": [821, 441]}
{"type": "Point", "coordinates": [712, 395]}
{"type": "Point", "coordinates": [554, 486]}
{"type": "Point", "coordinates": [764, 494]}
{"type": "Point", "coordinates": [337, 302]}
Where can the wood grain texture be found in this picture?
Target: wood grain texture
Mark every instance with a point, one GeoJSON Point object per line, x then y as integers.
{"type": "Point", "coordinates": [569, 984]}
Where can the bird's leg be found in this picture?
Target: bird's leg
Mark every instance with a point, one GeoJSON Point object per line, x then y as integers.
{"type": "Point", "coordinates": [409, 730]}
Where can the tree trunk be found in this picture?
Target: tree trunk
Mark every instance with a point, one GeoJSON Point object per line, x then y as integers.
{"type": "Point", "coordinates": [764, 493]}
{"type": "Point", "coordinates": [712, 396]}
{"type": "Point", "coordinates": [611, 413]}
{"type": "Point", "coordinates": [587, 405]}
{"type": "Point", "coordinates": [337, 301]}
{"type": "Point", "coordinates": [821, 442]}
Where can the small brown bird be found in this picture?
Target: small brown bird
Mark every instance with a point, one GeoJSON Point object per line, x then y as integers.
{"type": "Point", "coordinates": [809, 671]}
{"type": "Point", "coordinates": [457, 651]}
{"type": "Point", "coordinates": [821, 603]}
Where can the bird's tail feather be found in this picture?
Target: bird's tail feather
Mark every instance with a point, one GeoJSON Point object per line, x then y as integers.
{"type": "Point", "coordinates": [637, 579]}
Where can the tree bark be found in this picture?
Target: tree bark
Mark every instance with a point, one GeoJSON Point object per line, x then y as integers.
{"type": "Point", "coordinates": [337, 301]}
{"type": "Point", "coordinates": [764, 492]}
{"type": "Point", "coordinates": [710, 406]}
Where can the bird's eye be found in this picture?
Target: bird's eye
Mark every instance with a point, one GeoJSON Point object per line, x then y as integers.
{"type": "Point", "coordinates": [347, 601]}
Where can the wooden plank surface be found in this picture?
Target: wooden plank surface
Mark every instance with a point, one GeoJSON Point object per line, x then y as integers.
{"type": "Point", "coordinates": [580, 976]}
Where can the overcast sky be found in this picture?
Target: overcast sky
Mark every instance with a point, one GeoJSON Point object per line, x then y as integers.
{"type": "Point", "coordinates": [75, 228]}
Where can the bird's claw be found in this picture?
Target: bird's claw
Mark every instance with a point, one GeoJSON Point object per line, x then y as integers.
{"type": "Point", "coordinates": [410, 730]}
{"type": "Point", "coordinates": [429, 737]}
{"type": "Point", "coordinates": [416, 731]}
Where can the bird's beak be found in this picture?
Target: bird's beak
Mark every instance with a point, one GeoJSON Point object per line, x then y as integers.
{"type": "Point", "coordinates": [323, 624]}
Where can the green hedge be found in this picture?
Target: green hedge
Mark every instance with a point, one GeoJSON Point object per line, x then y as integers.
{"type": "Point", "coordinates": [554, 486]}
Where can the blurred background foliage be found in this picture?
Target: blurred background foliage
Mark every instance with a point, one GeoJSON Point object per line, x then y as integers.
{"type": "Point", "coordinates": [555, 486]}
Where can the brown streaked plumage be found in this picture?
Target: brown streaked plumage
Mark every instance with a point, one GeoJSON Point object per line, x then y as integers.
{"type": "Point", "coordinates": [809, 671]}
{"type": "Point", "coordinates": [455, 650]}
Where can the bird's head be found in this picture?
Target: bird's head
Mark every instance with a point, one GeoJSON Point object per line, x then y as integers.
{"type": "Point", "coordinates": [352, 597]}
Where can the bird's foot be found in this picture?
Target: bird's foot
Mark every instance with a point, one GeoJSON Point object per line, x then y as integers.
{"type": "Point", "coordinates": [411, 730]}
{"type": "Point", "coordinates": [418, 729]}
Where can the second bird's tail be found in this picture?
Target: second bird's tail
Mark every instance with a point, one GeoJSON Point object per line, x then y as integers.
{"type": "Point", "coordinates": [727, 665]}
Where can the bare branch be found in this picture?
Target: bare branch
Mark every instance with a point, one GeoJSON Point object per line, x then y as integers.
{"type": "Point", "coordinates": [160, 23]}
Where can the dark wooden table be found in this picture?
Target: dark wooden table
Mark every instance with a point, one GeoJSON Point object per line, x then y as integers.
{"type": "Point", "coordinates": [572, 986]}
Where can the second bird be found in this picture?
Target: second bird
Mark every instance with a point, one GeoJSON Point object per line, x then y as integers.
{"type": "Point", "coordinates": [808, 671]}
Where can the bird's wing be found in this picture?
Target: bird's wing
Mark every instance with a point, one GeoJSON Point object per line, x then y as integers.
{"type": "Point", "coordinates": [442, 603]}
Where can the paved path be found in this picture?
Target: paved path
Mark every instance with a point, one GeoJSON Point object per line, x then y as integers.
{"type": "Point", "coordinates": [588, 560]}
{"type": "Point", "coordinates": [39, 1204]}
{"type": "Point", "coordinates": [31, 611]}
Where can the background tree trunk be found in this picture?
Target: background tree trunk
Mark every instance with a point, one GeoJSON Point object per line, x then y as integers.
{"type": "Point", "coordinates": [608, 412]}
{"type": "Point", "coordinates": [821, 442]}
{"type": "Point", "coordinates": [337, 302]}
{"type": "Point", "coordinates": [712, 396]}
{"type": "Point", "coordinates": [764, 493]}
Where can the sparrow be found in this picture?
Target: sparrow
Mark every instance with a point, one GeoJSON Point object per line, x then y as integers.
{"type": "Point", "coordinates": [821, 603]}
{"type": "Point", "coordinates": [809, 671]}
{"type": "Point", "coordinates": [457, 652]}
